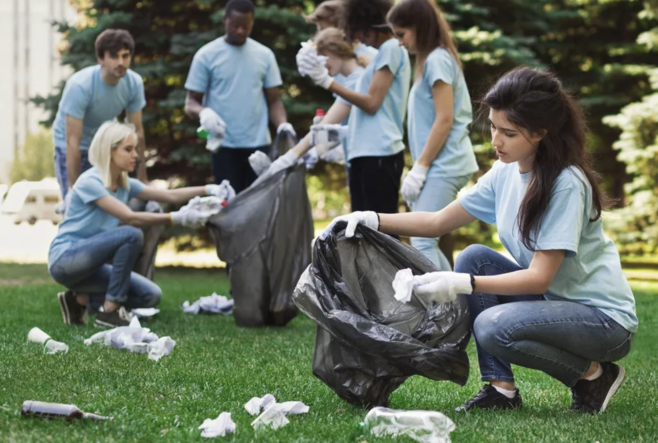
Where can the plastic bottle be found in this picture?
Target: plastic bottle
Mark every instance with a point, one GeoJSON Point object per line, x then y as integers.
{"type": "Point", "coordinates": [319, 115]}
{"type": "Point", "coordinates": [39, 409]}
{"type": "Point", "coordinates": [319, 137]}
{"type": "Point", "coordinates": [202, 133]}
{"type": "Point", "coordinates": [422, 426]}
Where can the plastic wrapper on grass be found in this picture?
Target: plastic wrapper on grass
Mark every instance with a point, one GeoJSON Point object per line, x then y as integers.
{"type": "Point", "coordinates": [422, 426]}
{"type": "Point", "coordinates": [367, 342]}
{"type": "Point", "coordinates": [265, 236]}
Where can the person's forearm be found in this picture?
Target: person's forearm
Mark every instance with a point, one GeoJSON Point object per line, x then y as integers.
{"type": "Point", "coordinates": [142, 219]}
{"type": "Point", "coordinates": [435, 141]}
{"type": "Point", "coordinates": [183, 195]}
{"type": "Point", "coordinates": [524, 282]}
{"type": "Point", "coordinates": [411, 224]}
{"type": "Point", "coordinates": [277, 113]}
{"type": "Point", "coordinates": [193, 108]}
{"type": "Point", "coordinates": [364, 102]}
{"type": "Point", "coordinates": [72, 162]}
{"type": "Point", "coordinates": [303, 146]}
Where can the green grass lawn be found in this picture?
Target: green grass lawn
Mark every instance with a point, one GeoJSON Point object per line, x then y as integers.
{"type": "Point", "coordinates": [218, 367]}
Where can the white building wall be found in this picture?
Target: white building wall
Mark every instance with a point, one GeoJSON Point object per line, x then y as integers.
{"type": "Point", "coordinates": [30, 66]}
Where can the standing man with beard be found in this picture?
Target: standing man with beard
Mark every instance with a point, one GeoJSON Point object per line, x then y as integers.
{"type": "Point", "coordinates": [232, 90]}
{"type": "Point", "coordinates": [91, 97]}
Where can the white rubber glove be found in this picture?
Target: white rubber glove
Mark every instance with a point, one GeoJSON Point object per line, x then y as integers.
{"type": "Point", "coordinates": [366, 218]}
{"type": "Point", "coordinates": [259, 162]}
{"type": "Point", "coordinates": [326, 133]}
{"type": "Point", "coordinates": [191, 218]}
{"type": "Point", "coordinates": [442, 287]}
{"type": "Point", "coordinates": [286, 127]}
{"type": "Point", "coordinates": [317, 70]}
{"type": "Point", "coordinates": [334, 155]}
{"type": "Point", "coordinates": [223, 191]}
{"type": "Point", "coordinates": [311, 159]}
{"type": "Point", "coordinates": [212, 122]}
{"type": "Point", "coordinates": [413, 183]}
{"type": "Point", "coordinates": [214, 143]}
{"type": "Point", "coordinates": [307, 48]}
{"type": "Point", "coordinates": [284, 162]}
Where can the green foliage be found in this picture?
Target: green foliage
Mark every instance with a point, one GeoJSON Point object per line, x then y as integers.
{"type": "Point", "coordinates": [34, 161]}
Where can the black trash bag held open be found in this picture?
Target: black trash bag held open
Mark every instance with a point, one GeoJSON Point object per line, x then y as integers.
{"type": "Point", "coordinates": [265, 235]}
{"type": "Point", "coordinates": [367, 342]}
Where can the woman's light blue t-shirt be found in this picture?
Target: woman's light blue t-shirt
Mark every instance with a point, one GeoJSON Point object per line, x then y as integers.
{"type": "Point", "coordinates": [380, 135]}
{"type": "Point", "coordinates": [232, 79]}
{"type": "Point", "coordinates": [83, 218]}
{"type": "Point", "coordinates": [456, 157]}
{"type": "Point", "coordinates": [88, 98]}
{"type": "Point", "coordinates": [591, 271]}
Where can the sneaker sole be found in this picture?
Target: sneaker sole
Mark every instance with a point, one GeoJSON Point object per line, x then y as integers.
{"type": "Point", "coordinates": [102, 324]}
{"type": "Point", "coordinates": [614, 388]}
{"type": "Point", "coordinates": [62, 306]}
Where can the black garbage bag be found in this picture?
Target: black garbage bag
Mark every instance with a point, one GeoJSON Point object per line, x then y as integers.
{"type": "Point", "coordinates": [265, 235]}
{"type": "Point", "coordinates": [367, 342]}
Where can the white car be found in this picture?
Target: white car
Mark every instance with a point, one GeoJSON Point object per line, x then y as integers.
{"type": "Point", "coordinates": [33, 201]}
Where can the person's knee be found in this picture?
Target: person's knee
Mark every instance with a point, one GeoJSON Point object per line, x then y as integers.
{"type": "Point", "coordinates": [467, 259]}
{"type": "Point", "coordinates": [133, 235]}
{"type": "Point", "coordinates": [490, 329]}
{"type": "Point", "coordinates": [154, 297]}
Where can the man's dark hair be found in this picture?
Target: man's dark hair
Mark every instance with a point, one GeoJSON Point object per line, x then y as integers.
{"type": "Point", "coordinates": [364, 16]}
{"type": "Point", "coordinates": [241, 6]}
{"type": "Point", "coordinates": [114, 40]}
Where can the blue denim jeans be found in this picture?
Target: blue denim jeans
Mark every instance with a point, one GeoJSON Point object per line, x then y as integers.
{"type": "Point", "coordinates": [437, 193]}
{"type": "Point", "coordinates": [61, 172]}
{"type": "Point", "coordinates": [560, 338]}
{"type": "Point", "coordinates": [83, 269]}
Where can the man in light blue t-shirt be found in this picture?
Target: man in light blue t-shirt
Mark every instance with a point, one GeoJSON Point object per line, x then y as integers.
{"type": "Point", "coordinates": [232, 89]}
{"type": "Point", "coordinates": [91, 97]}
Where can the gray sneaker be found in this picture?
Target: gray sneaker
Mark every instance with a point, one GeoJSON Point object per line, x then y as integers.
{"type": "Point", "coordinates": [114, 319]}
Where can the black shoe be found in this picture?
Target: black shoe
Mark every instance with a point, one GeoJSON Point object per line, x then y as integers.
{"type": "Point", "coordinates": [72, 311]}
{"type": "Point", "coordinates": [489, 398]}
{"type": "Point", "coordinates": [114, 319]}
{"type": "Point", "coordinates": [594, 396]}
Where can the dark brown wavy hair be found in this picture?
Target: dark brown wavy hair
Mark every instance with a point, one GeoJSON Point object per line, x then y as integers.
{"type": "Point", "coordinates": [535, 102]}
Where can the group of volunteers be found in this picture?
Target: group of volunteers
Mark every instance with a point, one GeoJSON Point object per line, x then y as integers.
{"type": "Point", "coordinates": [562, 306]}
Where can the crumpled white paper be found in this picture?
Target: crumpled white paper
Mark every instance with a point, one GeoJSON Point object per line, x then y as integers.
{"type": "Point", "coordinates": [274, 415]}
{"type": "Point", "coordinates": [145, 312]}
{"type": "Point", "coordinates": [256, 404]}
{"type": "Point", "coordinates": [422, 426]}
{"type": "Point", "coordinates": [403, 285]}
{"type": "Point", "coordinates": [133, 338]}
{"type": "Point", "coordinates": [212, 304]}
{"type": "Point", "coordinates": [219, 427]}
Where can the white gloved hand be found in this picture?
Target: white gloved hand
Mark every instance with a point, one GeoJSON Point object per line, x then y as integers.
{"type": "Point", "coordinates": [366, 218]}
{"type": "Point", "coordinates": [284, 162]}
{"type": "Point", "coordinates": [413, 183]}
{"type": "Point", "coordinates": [334, 155]}
{"type": "Point", "coordinates": [212, 122]}
{"type": "Point", "coordinates": [307, 48]}
{"type": "Point", "coordinates": [442, 287]}
{"type": "Point", "coordinates": [214, 143]}
{"type": "Point", "coordinates": [324, 133]}
{"type": "Point", "coordinates": [223, 191]}
{"type": "Point", "coordinates": [311, 159]}
{"type": "Point", "coordinates": [315, 66]}
{"type": "Point", "coordinates": [286, 127]}
{"type": "Point", "coordinates": [190, 218]}
{"type": "Point", "coordinates": [259, 162]}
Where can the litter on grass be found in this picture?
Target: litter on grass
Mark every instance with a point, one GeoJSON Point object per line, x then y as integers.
{"type": "Point", "coordinates": [145, 312]}
{"type": "Point", "coordinates": [51, 346]}
{"type": "Point", "coordinates": [219, 427]}
{"type": "Point", "coordinates": [274, 414]}
{"type": "Point", "coordinates": [135, 339]}
{"type": "Point", "coordinates": [422, 426]}
{"type": "Point", "coordinates": [256, 404]}
{"type": "Point", "coordinates": [212, 304]}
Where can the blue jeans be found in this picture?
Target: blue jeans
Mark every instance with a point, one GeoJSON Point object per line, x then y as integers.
{"type": "Point", "coordinates": [437, 193]}
{"type": "Point", "coordinates": [560, 338]}
{"type": "Point", "coordinates": [61, 171]}
{"type": "Point", "coordinates": [83, 269]}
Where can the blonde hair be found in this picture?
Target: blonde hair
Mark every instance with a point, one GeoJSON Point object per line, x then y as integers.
{"type": "Point", "coordinates": [107, 139]}
{"type": "Point", "coordinates": [330, 12]}
{"type": "Point", "coordinates": [333, 41]}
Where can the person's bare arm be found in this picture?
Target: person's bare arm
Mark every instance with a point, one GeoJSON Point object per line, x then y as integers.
{"type": "Point", "coordinates": [120, 210]}
{"type": "Point", "coordinates": [193, 104]}
{"type": "Point", "coordinates": [443, 105]}
{"type": "Point", "coordinates": [426, 224]}
{"type": "Point", "coordinates": [73, 137]}
{"type": "Point", "coordinates": [136, 119]}
{"type": "Point", "coordinates": [275, 107]}
{"type": "Point", "coordinates": [534, 280]}
{"type": "Point", "coordinates": [180, 195]}
{"type": "Point", "coordinates": [370, 102]}
{"type": "Point", "coordinates": [336, 114]}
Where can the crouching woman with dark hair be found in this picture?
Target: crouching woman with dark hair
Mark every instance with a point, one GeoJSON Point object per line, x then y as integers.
{"type": "Point", "coordinates": [564, 307]}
